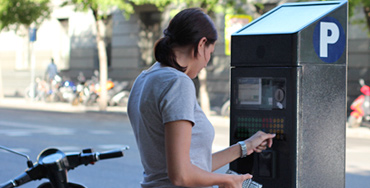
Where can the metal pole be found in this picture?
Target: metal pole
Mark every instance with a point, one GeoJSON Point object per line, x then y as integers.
{"type": "Point", "coordinates": [32, 39]}
{"type": "Point", "coordinates": [33, 65]}
{"type": "Point", "coordinates": [1, 85]}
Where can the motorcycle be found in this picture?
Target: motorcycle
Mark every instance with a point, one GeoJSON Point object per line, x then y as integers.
{"type": "Point", "coordinates": [57, 90]}
{"type": "Point", "coordinates": [67, 90]}
{"type": "Point", "coordinates": [360, 107]}
{"type": "Point", "coordinates": [54, 164]}
{"type": "Point", "coordinates": [95, 92]}
{"type": "Point", "coordinates": [82, 90]}
{"type": "Point", "coordinates": [118, 95]}
{"type": "Point", "coordinates": [39, 92]}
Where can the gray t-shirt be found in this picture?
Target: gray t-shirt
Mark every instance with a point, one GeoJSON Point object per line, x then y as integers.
{"type": "Point", "coordinates": [160, 95]}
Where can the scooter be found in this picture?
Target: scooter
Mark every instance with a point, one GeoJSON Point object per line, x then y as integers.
{"type": "Point", "coordinates": [118, 96]}
{"type": "Point", "coordinates": [54, 164]}
{"type": "Point", "coordinates": [95, 92]}
{"type": "Point", "coordinates": [360, 107]}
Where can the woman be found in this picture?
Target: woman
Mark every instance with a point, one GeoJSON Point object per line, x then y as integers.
{"type": "Point", "coordinates": [173, 134]}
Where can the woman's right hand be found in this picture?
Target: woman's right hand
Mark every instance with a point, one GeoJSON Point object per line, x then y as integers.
{"type": "Point", "coordinates": [259, 142]}
{"type": "Point", "coordinates": [236, 181]}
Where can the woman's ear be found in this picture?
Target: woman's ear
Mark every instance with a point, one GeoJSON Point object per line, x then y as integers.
{"type": "Point", "coordinates": [202, 45]}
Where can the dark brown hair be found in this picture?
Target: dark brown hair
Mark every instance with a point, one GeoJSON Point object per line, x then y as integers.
{"type": "Point", "coordinates": [185, 29]}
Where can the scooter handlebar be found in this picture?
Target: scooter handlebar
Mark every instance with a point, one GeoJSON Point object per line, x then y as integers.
{"type": "Point", "coordinates": [74, 160]}
{"type": "Point", "coordinates": [20, 180]}
{"type": "Point", "coordinates": [110, 154]}
{"type": "Point", "coordinates": [8, 184]}
{"type": "Point", "coordinates": [89, 157]}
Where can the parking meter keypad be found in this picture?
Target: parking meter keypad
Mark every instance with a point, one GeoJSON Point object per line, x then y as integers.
{"type": "Point", "coordinates": [247, 126]}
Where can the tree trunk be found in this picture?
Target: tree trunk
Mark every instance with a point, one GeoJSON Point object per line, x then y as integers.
{"type": "Point", "coordinates": [203, 93]}
{"type": "Point", "coordinates": [103, 73]}
{"type": "Point", "coordinates": [367, 15]}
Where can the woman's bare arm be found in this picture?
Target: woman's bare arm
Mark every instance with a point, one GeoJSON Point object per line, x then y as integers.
{"type": "Point", "coordinates": [180, 169]}
{"type": "Point", "coordinates": [256, 143]}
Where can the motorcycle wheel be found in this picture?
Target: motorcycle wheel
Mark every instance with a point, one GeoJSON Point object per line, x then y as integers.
{"type": "Point", "coordinates": [354, 122]}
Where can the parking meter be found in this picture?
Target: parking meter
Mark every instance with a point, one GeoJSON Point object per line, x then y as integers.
{"type": "Point", "coordinates": [288, 77]}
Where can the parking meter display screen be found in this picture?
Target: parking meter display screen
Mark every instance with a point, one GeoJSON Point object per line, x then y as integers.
{"type": "Point", "coordinates": [260, 93]}
{"type": "Point", "coordinates": [250, 91]}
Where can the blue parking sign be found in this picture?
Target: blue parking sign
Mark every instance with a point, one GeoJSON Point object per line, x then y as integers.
{"type": "Point", "coordinates": [329, 39]}
{"type": "Point", "coordinates": [32, 32]}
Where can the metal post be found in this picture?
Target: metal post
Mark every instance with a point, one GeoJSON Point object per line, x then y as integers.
{"type": "Point", "coordinates": [32, 39]}
{"type": "Point", "coordinates": [33, 65]}
{"type": "Point", "coordinates": [1, 85]}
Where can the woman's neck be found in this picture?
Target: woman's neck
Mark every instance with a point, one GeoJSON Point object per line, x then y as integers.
{"type": "Point", "coordinates": [184, 56]}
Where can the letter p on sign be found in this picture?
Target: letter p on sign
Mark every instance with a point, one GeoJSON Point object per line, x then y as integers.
{"type": "Point", "coordinates": [329, 39]}
{"type": "Point", "coordinates": [329, 34]}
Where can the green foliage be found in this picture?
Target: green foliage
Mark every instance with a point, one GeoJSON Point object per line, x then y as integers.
{"type": "Point", "coordinates": [365, 4]}
{"type": "Point", "coordinates": [210, 6]}
{"type": "Point", "coordinates": [352, 5]}
{"type": "Point", "coordinates": [23, 12]}
{"type": "Point", "coordinates": [101, 8]}
{"type": "Point", "coordinates": [160, 4]}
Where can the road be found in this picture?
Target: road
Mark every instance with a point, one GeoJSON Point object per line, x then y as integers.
{"type": "Point", "coordinates": [31, 131]}
{"type": "Point", "coordinates": [357, 162]}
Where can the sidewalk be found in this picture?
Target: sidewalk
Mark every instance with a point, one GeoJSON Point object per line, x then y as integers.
{"type": "Point", "coordinates": [21, 103]}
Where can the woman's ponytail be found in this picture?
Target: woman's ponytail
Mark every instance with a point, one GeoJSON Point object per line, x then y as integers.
{"type": "Point", "coordinates": [164, 53]}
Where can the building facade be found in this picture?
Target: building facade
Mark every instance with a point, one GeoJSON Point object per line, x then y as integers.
{"type": "Point", "coordinates": [69, 38]}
